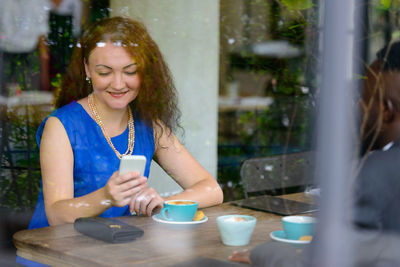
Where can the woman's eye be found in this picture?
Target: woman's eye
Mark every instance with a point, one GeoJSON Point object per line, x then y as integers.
{"type": "Point", "coordinates": [130, 72]}
{"type": "Point", "coordinates": [103, 73]}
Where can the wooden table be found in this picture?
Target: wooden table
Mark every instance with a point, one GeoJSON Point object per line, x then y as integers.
{"type": "Point", "coordinates": [160, 246]}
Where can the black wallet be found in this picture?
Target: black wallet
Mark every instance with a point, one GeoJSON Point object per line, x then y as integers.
{"type": "Point", "coordinates": [107, 229]}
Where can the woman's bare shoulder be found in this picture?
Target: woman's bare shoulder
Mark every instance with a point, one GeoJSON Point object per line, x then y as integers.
{"type": "Point", "coordinates": [53, 126]}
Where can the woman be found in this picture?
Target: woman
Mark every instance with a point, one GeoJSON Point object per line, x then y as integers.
{"type": "Point", "coordinates": [124, 102]}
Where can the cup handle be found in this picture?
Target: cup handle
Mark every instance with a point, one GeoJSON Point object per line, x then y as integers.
{"type": "Point", "coordinates": [164, 215]}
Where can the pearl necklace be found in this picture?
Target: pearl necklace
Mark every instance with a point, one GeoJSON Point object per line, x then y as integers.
{"type": "Point", "coordinates": [131, 135]}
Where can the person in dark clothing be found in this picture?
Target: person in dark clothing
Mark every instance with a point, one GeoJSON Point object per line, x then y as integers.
{"type": "Point", "coordinates": [378, 182]}
{"type": "Point", "coordinates": [376, 206]}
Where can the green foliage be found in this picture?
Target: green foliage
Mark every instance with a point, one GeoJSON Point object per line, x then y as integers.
{"type": "Point", "coordinates": [396, 35]}
{"type": "Point", "coordinates": [294, 31]}
{"type": "Point", "coordinates": [295, 5]}
{"type": "Point", "coordinates": [385, 4]}
{"type": "Point", "coordinates": [286, 124]}
{"type": "Point", "coordinates": [56, 82]}
{"type": "Point", "coordinates": [20, 177]}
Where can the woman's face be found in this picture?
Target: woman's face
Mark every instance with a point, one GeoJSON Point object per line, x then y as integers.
{"type": "Point", "coordinates": [114, 75]}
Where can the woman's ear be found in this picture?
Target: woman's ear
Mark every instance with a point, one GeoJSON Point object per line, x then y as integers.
{"type": "Point", "coordinates": [86, 68]}
{"type": "Point", "coordinates": [388, 111]}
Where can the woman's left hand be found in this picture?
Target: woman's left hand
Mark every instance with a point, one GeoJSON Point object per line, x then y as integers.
{"type": "Point", "coordinates": [145, 201]}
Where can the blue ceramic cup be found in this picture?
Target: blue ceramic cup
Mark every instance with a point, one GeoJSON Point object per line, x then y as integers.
{"type": "Point", "coordinates": [236, 230]}
{"type": "Point", "coordinates": [298, 226]}
{"type": "Point", "coordinates": [179, 210]}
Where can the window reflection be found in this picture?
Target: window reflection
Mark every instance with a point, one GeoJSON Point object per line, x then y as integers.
{"type": "Point", "coordinates": [36, 41]}
{"type": "Point", "coordinates": [267, 84]}
{"type": "Point", "coordinates": [267, 94]}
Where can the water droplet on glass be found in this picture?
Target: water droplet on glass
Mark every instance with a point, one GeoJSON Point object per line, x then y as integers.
{"type": "Point", "coordinates": [285, 121]}
{"type": "Point", "coordinates": [101, 44]}
{"type": "Point", "coordinates": [117, 43]}
{"type": "Point", "coordinates": [124, 10]}
{"type": "Point", "coordinates": [268, 167]}
{"type": "Point", "coordinates": [305, 90]}
{"type": "Point", "coordinates": [250, 131]}
{"type": "Point", "coordinates": [106, 202]}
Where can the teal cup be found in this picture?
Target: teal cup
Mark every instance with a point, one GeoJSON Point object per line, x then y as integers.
{"type": "Point", "coordinates": [236, 230]}
{"type": "Point", "coordinates": [298, 226]}
{"type": "Point", "coordinates": [179, 210]}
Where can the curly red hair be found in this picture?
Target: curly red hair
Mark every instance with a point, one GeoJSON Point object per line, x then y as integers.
{"type": "Point", "coordinates": [157, 100]}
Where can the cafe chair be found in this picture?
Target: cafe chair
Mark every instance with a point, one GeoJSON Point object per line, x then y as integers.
{"type": "Point", "coordinates": [274, 175]}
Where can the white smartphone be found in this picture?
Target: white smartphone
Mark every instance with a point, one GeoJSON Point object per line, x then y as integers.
{"type": "Point", "coordinates": [132, 163]}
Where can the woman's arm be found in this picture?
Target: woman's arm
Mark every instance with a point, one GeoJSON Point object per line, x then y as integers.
{"type": "Point", "coordinates": [57, 161]}
{"type": "Point", "coordinates": [197, 183]}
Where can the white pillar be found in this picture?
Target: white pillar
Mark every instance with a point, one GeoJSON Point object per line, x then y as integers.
{"type": "Point", "coordinates": [187, 32]}
{"type": "Point", "coordinates": [335, 147]}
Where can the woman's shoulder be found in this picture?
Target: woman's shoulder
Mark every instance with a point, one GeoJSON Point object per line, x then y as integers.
{"type": "Point", "coordinates": [73, 110]}
{"type": "Point", "coordinates": [72, 106]}
{"type": "Point", "coordinates": [67, 114]}
{"type": "Point", "coordinates": [58, 119]}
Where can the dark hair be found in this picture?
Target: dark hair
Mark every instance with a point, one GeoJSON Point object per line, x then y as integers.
{"type": "Point", "coordinates": [380, 86]}
{"type": "Point", "coordinates": [389, 57]}
{"type": "Point", "coordinates": [388, 61]}
{"type": "Point", "coordinates": [157, 100]}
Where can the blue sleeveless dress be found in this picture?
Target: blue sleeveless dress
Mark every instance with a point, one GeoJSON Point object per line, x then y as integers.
{"type": "Point", "coordinates": [94, 159]}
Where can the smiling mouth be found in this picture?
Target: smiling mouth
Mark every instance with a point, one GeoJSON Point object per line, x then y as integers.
{"type": "Point", "coordinates": [117, 94]}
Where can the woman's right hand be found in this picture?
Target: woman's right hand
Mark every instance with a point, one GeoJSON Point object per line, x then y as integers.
{"type": "Point", "coordinates": [242, 256]}
{"type": "Point", "coordinates": [121, 188]}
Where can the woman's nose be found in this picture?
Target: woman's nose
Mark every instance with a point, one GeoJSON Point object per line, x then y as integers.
{"type": "Point", "coordinates": [118, 82]}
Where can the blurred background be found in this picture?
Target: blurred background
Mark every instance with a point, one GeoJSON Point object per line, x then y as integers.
{"type": "Point", "coordinates": [247, 73]}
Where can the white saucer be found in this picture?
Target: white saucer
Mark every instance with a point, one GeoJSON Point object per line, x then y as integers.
{"type": "Point", "coordinates": [281, 237]}
{"type": "Point", "coordinates": [157, 218]}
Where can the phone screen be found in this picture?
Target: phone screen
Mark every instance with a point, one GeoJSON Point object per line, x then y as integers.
{"type": "Point", "coordinates": [132, 163]}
